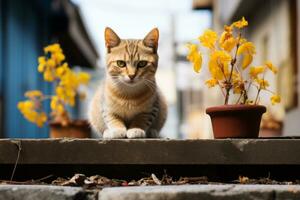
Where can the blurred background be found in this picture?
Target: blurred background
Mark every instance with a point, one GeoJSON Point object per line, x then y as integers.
{"type": "Point", "coordinates": [78, 25]}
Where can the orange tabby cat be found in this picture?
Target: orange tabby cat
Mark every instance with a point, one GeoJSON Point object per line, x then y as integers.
{"type": "Point", "coordinates": [128, 103]}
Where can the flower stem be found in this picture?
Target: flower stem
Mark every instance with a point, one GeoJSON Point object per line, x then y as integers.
{"type": "Point", "coordinates": [221, 89]}
{"type": "Point", "coordinates": [228, 84]}
{"type": "Point", "coordinates": [245, 96]}
{"type": "Point", "coordinates": [227, 94]}
{"type": "Point", "coordinates": [239, 98]}
{"type": "Point", "coordinates": [257, 95]}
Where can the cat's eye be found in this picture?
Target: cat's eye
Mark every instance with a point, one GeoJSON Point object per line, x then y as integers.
{"type": "Point", "coordinates": [121, 63]}
{"type": "Point", "coordinates": [142, 63]}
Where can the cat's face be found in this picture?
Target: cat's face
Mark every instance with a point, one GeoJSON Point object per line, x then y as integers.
{"type": "Point", "coordinates": [131, 63]}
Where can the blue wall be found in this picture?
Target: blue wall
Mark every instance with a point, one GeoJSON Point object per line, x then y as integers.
{"type": "Point", "coordinates": [1, 67]}
{"type": "Point", "coordinates": [22, 37]}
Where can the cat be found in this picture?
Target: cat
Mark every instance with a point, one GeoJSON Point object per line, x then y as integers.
{"type": "Point", "coordinates": [128, 103]}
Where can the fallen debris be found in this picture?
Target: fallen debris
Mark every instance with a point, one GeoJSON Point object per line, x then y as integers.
{"type": "Point", "coordinates": [268, 181]}
{"type": "Point", "coordinates": [99, 182]}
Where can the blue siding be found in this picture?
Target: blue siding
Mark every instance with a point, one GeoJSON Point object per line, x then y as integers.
{"type": "Point", "coordinates": [24, 38]}
{"type": "Point", "coordinates": [1, 67]}
{"type": "Point", "coordinates": [1, 50]}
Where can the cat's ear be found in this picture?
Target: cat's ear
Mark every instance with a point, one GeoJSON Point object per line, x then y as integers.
{"type": "Point", "coordinates": [111, 39]}
{"type": "Point", "coordinates": [151, 39]}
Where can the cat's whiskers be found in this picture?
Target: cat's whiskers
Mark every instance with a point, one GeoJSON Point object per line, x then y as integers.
{"type": "Point", "coordinates": [150, 85]}
{"type": "Point", "coordinates": [151, 82]}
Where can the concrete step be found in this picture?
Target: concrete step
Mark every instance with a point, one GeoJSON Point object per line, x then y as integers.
{"type": "Point", "coordinates": [206, 192]}
{"type": "Point", "coordinates": [43, 192]}
{"type": "Point", "coordinates": [283, 151]}
{"type": "Point", "coordinates": [221, 160]}
{"type": "Point", "coordinates": [182, 192]}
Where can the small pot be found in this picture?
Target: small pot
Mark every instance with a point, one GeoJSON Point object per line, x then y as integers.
{"type": "Point", "coordinates": [74, 129]}
{"type": "Point", "coordinates": [236, 121]}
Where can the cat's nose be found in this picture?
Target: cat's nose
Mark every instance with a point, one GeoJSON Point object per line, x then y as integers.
{"type": "Point", "coordinates": [131, 76]}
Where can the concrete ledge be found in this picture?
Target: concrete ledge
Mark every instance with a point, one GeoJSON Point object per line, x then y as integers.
{"type": "Point", "coordinates": [152, 152]}
{"type": "Point", "coordinates": [207, 192]}
{"type": "Point", "coordinates": [183, 192]}
{"type": "Point", "coordinates": [38, 192]}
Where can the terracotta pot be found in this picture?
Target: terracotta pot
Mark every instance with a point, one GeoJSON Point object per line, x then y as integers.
{"type": "Point", "coordinates": [75, 129]}
{"type": "Point", "coordinates": [236, 121]}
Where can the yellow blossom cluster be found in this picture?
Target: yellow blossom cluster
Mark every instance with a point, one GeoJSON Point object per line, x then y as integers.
{"type": "Point", "coordinates": [195, 57]}
{"type": "Point", "coordinates": [69, 82]}
{"type": "Point", "coordinates": [230, 56]}
{"type": "Point", "coordinates": [29, 110]}
{"type": "Point", "coordinates": [55, 70]}
{"type": "Point", "coordinates": [48, 65]}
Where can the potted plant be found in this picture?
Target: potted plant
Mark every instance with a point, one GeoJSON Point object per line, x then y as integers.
{"type": "Point", "coordinates": [230, 56]}
{"type": "Point", "coordinates": [66, 83]}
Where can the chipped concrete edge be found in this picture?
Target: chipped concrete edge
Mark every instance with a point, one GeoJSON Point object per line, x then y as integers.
{"type": "Point", "coordinates": [151, 151]}
{"type": "Point", "coordinates": [228, 191]}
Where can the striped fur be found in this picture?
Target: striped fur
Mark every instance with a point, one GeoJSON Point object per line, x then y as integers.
{"type": "Point", "coordinates": [128, 103]}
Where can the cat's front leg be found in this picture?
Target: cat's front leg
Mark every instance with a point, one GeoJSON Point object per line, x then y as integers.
{"type": "Point", "coordinates": [116, 128]}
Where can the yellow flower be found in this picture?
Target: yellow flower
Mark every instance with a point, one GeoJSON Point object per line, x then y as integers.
{"type": "Point", "coordinates": [218, 64]}
{"type": "Point", "coordinates": [48, 75]}
{"type": "Point", "coordinates": [56, 105]}
{"type": "Point", "coordinates": [211, 82]}
{"type": "Point", "coordinates": [246, 47]}
{"type": "Point", "coordinates": [195, 57]}
{"type": "Point", "coordinates": [26, 105]}
{"type": "Point", "coordinates": [255, 71]}
{"type": "Point", "coordinates": [208, 38]}
{"type": "Point", "coordinates": [41, 67]}
{"type": "Point", "coordinates": [62, 70]}
{"type": "Point", "coordinates": [229, 44]}
{"type": "Point", "coordinates": [54, 48]}
{"type": "Point", "coordinates": [60, 92]}
{"type": "Point", "coordinates": [33, 94]}
{"type": "Point", "coordinates": [50, 63]}
{"type": "Point", "coordinates": [227, 41]}
{"type": "Point", "coordinates": [42, 63]}
{"type": "Point", "coordinates": [247, 60]}
{"type": "Point", "coordinates": [66, 94]}
{"type": "Point", "coordinates": [83, 78]}
{"type": "Point", "coordinates": [241, 23]}
{"type": "Point", "coordinates": [41, 119]}
{"type": "Point", "coordinates": [27, 109]}
{"type": "Point", "coordinates": [275, 99]}
{"type": "Point", "coordinates": [58, 57]}
{"type": "Point", "coordinates": [271, 67]}
{"type": "Point", "coordinates": [263, 84]}
{"type": "Point", "coordinates": [238, 84]}
{"type": "Point", "coordinates": [242, 40]}
{"type": "Point", "coordinates": [42, 60]}
{"type": "Point", "coordinates": [248, 50]}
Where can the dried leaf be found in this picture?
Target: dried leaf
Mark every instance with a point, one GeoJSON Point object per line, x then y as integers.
{"type": "Point", "coordinates": [243, 179]}
{"type": "Point", "coordinates": [76, 180]}
{"type": "Point", "coordinates": [155, 179]}
{"type": "Point", "coordinates": [192, 180]}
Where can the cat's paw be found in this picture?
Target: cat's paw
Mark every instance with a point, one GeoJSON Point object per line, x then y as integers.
{"type": "Point", "coordinates": [136, 133]}
{"type": "Point", "coordinates": [116, 133]}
